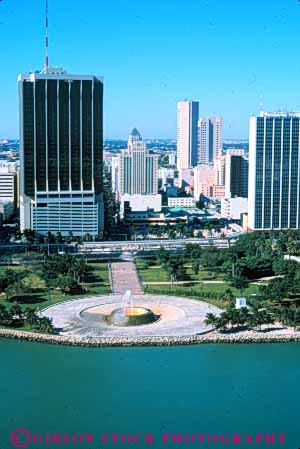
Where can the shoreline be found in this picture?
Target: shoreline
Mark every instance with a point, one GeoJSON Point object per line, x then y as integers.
{"type": "Point", "coordinates": [99, 342]}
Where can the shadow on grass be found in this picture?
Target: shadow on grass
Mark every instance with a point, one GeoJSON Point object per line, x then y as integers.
{"type": "Point", "coordinates": [27, 299]}
{"type": "Point", "coordinates": [92, 278]}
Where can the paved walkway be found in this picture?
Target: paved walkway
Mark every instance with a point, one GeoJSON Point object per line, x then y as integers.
{"type": "Point", "coordinates": [86, 317]}
{"type": "Point", "coordinates": [124, 277]}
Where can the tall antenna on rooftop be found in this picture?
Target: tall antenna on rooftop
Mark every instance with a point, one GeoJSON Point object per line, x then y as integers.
{"type": "Point", "coordinates": [47, 40]}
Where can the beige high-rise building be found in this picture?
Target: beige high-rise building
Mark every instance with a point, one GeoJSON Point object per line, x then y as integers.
{"type": "Point", "coordinates": [210, 139]}
{"type": "Point", "coordinates": [138, 169]}
{"type": "Point", "coordinates": [187, 134]}
{"type": "Point", "coordinates": [220, 170]}
{"type": "Point", "coordinates": [217, 123]}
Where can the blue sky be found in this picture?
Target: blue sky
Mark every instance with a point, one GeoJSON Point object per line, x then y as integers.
{"type": "Point", "coordinates": [228, 55]}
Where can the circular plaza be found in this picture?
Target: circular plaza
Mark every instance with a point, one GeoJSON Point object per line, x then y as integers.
{"type": "Point", "coordinates": [89, 317]}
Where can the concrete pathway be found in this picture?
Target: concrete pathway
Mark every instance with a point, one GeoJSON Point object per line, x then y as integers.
{"type": "Point", "coordinates": [86, 317]}
{"type": "Point", "coordinates": [124, 277]}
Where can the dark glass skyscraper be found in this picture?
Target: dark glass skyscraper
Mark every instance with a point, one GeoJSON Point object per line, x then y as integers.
{"type": "Point", "coordinates": [61, 133]}
{"type": "Point", "coordinates": [236, 174]}
{"type": "Point", "coordinates": [274, 171]}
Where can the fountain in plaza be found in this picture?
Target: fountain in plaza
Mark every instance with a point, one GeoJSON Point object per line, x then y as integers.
{"type": "Point", "coordinates": [130, 315]}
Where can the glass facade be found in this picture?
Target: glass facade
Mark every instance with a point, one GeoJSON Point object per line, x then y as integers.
{"type": "Point", "coordinates": [87, 156]}
{"type": "Point", "coordinates": [98, 136]}
{"type": "Point", "coordinates": [277, 172]}
{"type": "Point", "coordinates": [75, 136]}
{"type": "Point", "coordinates": [52, 134]}
{"type": "Point", "coordinates": [65, 120]}
{"type": "Point", "coordinates": [237, 176]}
{"type": "Point", "coordinates": [28, 138]}
{"type": "Point", "coordinates": [64, 142]}
{"type": "Point", "coordinates": [40, 135]}
{"type": "Point", "coordinates": [61, 151]}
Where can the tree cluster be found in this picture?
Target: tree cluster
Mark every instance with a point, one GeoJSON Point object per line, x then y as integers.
{"type": "Point", "coordinates": [173, 265]}
{"type": "Point", "coordinates": [12, 282]}
{"type": "Point", "coordinates": [64, 272]}
{"type": "Point", "coordinates": [254, 318]}
{"type": "Point", "coordinates": [14, 316]}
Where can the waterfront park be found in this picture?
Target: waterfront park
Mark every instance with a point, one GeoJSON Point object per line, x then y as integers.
{"type": "Point", "coordinates": [158, 293]}
{"type": "Point", "coordinates": [168, 385]}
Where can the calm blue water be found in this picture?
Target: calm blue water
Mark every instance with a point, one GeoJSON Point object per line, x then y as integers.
{"type": "Point", "coordinates": [191, 389]}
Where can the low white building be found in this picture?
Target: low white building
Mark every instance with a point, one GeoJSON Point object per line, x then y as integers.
{"type": "Point", "coordinates": [184, 201]}
{"type": "Point", "coordinates": [8, 185]}
{"type": "Point", "coordinates": [233, 208]}
{"type": "Point", "coordinates": [140, 203]}
{"type": "Point", "coordinates": [165, 174]}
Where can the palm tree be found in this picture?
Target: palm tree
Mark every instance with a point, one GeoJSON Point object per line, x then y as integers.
{"type": "Point", "coordinates": [222, 323]}
{"type": "Point", "coordinates": [45, 325]}
{"type": "Point", "coordinates": [196, 266]}
{"type": "Point", "coordinates": [259, 316]}
{"type": "Point", "coordinates": [228, 295]}
{"type": "Point", "coordinates": [211, 319]}
{"type": "Point", "coordinates": [4, 315]}
{"type": "Point", "coordinates": [16, 312]}
{"type": "Point", "coordinates": [31, 317]}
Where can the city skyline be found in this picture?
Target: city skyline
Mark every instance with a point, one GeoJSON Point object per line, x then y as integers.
{"type": "Point", "coordinates": [232, 85]}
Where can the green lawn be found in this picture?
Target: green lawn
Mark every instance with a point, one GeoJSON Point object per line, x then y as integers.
{"type": "Point", "coordinates": [39, 297]}
{"type": "Point", "coordinates": [208, 292]}
{"type": "Point", "coordinates": [200, 291]}
{"type": "Point", "coordinates": [156, 273]}
{"type": "Point", "coordinates": [197, 289]}
{"type": "Point", "coordinates": [203, 275]}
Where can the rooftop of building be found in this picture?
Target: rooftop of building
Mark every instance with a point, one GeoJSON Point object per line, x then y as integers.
{"type": "Point", "coordinates": [279, 114]}
{"type": "Point", "coordinates": [56, 73]}
{"type": "Point", "coordinates": [135, 135]}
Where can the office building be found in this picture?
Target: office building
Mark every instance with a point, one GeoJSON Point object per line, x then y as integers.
{"type": "Point", "coordinates": [61, 138]}
{"type": "Point", "coordinates": [274, 171]}
{"type": "Point", "coordinates": [8, 186]}
{"type": "Point", "coordinates": [138, 169]}
{"type": "Point", "coordinates": [181, 201]}
{"type": "Point", "coordinates": [187, 134]}
{"type": "Point", "coordinates": [210, 139]}
{"type": "Point", "coordinates": [236, 174]}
